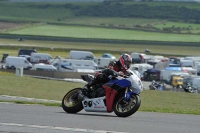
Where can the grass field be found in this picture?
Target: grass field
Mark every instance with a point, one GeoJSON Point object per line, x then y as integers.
{"type": "Point", "coordinates": [185, 27]}
{"type": "Point", "coordinates": [152, 101]}
{"type": "Point", "coordinates": [60, 13]}
{"type": "Point", "coordinates": [115, 21]}
{"type": "Point", "coordinates": [178, 24]}
{"type": "Point", "coordinates": [103, 33]}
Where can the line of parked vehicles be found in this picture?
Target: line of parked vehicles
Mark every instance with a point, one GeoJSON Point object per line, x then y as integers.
{"type": "Point", "coordinates": [77, 62]}
{"type": "Point", "coordinates": [181, 73]}
{"type": "Point", "coordinates": [174, 71]}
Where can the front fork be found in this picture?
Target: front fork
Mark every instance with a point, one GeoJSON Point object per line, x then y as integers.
{"type": "Point", "coordinates": [128, 93]}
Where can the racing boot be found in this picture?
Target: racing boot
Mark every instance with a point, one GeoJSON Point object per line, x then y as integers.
{"type": "Point", "coordinates": [86, 89]}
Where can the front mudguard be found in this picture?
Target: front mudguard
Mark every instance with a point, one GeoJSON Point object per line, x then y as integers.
{"type": "Point", "coordinates": [128, 95]}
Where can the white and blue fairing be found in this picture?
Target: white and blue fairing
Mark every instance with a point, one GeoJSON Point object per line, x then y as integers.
{"type": "Point", "coordinates": [132, 81]}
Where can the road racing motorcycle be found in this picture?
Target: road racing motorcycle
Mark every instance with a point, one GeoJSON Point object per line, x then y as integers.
{"type": "Point", "coordinates": [189, 88]}
{"type": "Point", "coordinates": [155, 86]}
{"type": "Point", "coordinates": [120, 94]}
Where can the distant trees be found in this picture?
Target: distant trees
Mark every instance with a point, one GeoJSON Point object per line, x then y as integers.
{"type": "Point", "coordinates": [116, 9]}
{"type": "Point", "coordinates": [120, 0]}
{"type": "Point", "coordinates": [126, 0]}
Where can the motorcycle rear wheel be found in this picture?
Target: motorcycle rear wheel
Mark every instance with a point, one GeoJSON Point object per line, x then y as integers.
{"type": "Point", "coordinates": [124, 108]}
{"type": "Point", "coordinates": [71, 103]}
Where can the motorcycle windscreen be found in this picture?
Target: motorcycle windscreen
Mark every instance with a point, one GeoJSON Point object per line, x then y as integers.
{"type": "Point", "coordinates": [137, 86]}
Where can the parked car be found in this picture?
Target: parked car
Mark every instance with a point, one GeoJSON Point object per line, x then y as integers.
{"type": "Point", "coordinates": [35, 57]}
{"type": "Point", "coordinates": [45, 61]}
{"type": "Point", "coordinates": [107, 55]}
{"type": "Point", "coordinates": [137, 57]}
{"type": "Point", "coordinates": [26, 56]}
{"type": "Point", "coordinates": [81, 55]}
{"type": "Point", "coordinates": [44, 67]}
{"type": "Point", "coordinates": [73, 65]}
{"type": "Point", "coordinates": [26, 52]}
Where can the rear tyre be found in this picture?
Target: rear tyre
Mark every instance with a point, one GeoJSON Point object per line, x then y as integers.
{"type": "Point", "coordinates": [71, 103]}
{"type": "Point", "coordinates": [124, 108]}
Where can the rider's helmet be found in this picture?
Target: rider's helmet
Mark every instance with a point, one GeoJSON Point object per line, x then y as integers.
{"type": "Point", "coordinates": [125, 61]}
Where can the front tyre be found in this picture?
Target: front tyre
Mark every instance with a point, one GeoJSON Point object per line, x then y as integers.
{"type": "Point", "coordinates": [151, 87]}
{"type": "Point", "coordinates": [124, 108]}
{"type": "Point", "coordinates": [71, 103]}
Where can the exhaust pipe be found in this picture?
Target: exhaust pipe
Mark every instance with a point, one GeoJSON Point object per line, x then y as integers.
{"type": "Point", "coordinates": [81, 96]}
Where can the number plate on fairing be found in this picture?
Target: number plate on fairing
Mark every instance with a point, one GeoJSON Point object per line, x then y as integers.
{"type": "Point", "coordinates": [94, 105]}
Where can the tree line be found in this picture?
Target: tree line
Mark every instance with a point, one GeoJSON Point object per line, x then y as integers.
{"type": "Point", "coordinates": [129, 10]}
{"type": "Point", "coordinates": [116, 9]}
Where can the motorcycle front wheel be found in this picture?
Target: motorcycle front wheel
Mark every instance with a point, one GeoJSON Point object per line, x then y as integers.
{"type": "Point", "coordinates": [151, 87]}
{"type": "Point", "coordinates": [123, 108]}
{"type": "Point", "coordinates": [71, 103]}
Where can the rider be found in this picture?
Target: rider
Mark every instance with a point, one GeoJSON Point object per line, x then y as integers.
{"type": "Point", "coordinates": [119, 66]}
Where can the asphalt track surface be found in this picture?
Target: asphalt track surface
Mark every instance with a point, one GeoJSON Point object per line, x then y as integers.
{"type": "Point", "coordinates": [17, 118]}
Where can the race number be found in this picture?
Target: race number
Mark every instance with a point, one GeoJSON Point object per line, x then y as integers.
{"type": "Point", "coordinates": [87, 103]}
{"type": "Point", "coordinates": [140, 84]}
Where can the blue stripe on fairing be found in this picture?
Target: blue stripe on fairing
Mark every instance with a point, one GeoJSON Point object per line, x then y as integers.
{"type": "Point", "coordinates": [123, 83]}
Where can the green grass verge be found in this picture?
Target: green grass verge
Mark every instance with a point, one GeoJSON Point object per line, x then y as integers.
{"type": "Point", "coordinates": [152, 101]}
{"type": "Point", "coordinates": [30, 102]}
{"type": "Point", "coordinates": [32, 87]}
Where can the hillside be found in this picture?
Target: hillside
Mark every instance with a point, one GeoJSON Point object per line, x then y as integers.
{"type": "Point", "coordinates": [123, 22]}
{"type": "Point", "coordinates": [178, 17]}
{"type": "Point", "coordinates": [61, 12]}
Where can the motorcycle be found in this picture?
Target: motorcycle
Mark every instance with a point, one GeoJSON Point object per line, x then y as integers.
{"type": "Point", "coordinates": [155, 86]}
{"type": "Point", "coordinates": [189, 88]}
{"type": "Point", "coordinates": [119, 94]}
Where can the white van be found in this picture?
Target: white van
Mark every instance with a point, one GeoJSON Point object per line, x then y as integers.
{"type": "Point", "coordinates": [187, 63]}
{"type": "Point", "coordinates": [44, 67]}
{"type": "Point", "coordinates": [15, 62]}
{"type": "Point", "coordinates": [198, 67]}
{"type": "Point", "coordinates": [165, 75]}
{"type": "Point", "coordinates": [140, 67]}
{"type": "Point", "coordinates": [103, 62]}
{"type": "Point", "coordinates": [72, 65]}
{"type": "Point", "coordinates": [81, 55]}
{"type": "Point", "coordinates": [195, 83]}
{"type": "Point", "coordinates": [39, 56]}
